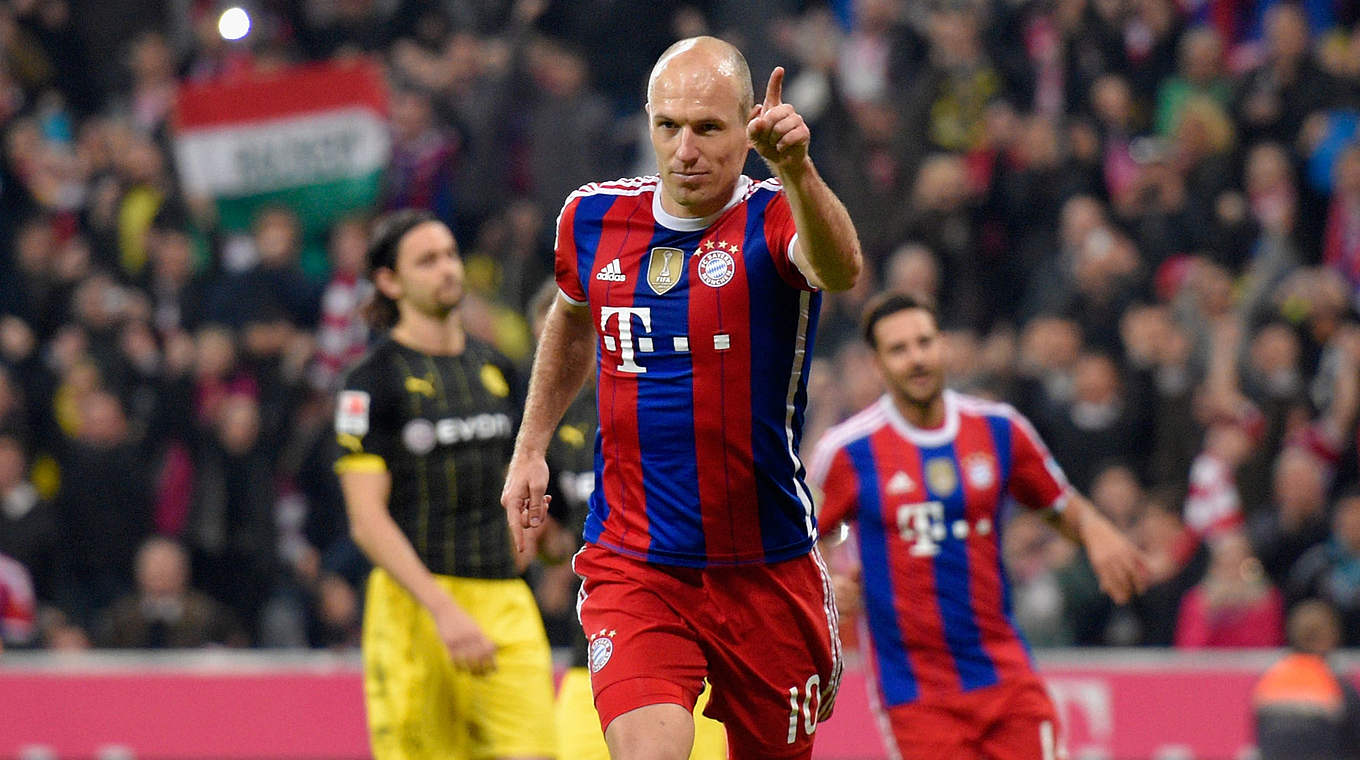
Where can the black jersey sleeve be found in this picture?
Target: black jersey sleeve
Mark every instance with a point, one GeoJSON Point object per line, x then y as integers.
{"type": "Point", "coordinates": [366, 424]}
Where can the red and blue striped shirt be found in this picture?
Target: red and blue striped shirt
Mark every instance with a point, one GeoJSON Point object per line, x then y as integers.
{"type": "Point", "coordinates": [705, 331]}
{"type": "Point", "coordinates": [927, 506]}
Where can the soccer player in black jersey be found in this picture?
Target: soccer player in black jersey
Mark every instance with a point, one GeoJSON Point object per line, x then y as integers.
{"type": "Point", "coordinates": [456, 663]}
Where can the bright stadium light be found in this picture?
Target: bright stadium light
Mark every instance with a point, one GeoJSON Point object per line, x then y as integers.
{"type": "Point", "coordinates": [234, 23]}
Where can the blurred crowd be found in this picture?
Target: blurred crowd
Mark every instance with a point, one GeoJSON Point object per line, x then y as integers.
{"type": "Point", "coordinates": [1139, 218]}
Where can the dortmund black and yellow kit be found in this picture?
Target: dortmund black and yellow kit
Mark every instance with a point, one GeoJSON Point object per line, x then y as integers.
{"type": "Point", "coordinates": [444, 427]}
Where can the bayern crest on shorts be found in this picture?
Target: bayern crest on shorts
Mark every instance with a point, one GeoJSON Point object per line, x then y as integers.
{"type": "Point", "coordinates": [601, 649]}
{"type": "Point", "coordinates": [717, 268]}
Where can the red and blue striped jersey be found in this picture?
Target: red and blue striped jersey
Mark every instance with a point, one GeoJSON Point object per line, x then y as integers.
{"type": "Point", "coordinates": [705, 331]}
{"type": "Point", "coordinates": [927, 508]}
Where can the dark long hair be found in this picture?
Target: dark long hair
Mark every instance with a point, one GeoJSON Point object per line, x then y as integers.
{"type": "Point", "coordinates": [381, 311]}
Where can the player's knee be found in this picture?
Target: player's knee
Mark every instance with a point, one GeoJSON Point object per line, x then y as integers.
{"type": "Point", "coordinates": [654, 732]}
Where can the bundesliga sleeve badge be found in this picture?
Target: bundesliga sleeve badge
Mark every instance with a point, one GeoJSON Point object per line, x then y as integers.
{"type": "Point", "coordinates": [351, 413]}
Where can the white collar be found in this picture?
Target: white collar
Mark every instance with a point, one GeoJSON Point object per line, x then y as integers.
{"type": "Point", "coordinates": [926, 438]}
{"type": "Point", "coordinates": [689, 223]}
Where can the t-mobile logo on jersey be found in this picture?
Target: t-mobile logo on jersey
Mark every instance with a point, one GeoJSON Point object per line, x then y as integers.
{"type": "Point", "coordinates": [625, 345]}
{"type": "Point", "coordinates": [923, 526]}
{"type": "Point", "coordinates": [628, 347]}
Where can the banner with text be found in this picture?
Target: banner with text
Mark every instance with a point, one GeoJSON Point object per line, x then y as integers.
{"type": "Point", "coordinates": [313, 138]}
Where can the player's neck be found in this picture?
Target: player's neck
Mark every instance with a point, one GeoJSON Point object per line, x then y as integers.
{"type": "Point", "coordinates": [672, 207]}
{"type": "Point", "coordinates": [927, 416]}
{"type": "Point", "coordinates": [430, 335]}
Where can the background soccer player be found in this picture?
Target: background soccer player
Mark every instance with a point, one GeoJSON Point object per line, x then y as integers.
{"type": "Point", "coordinates": [456, 662]}
{"type": "Point", "coordinates": [699, 288]}
{"type": "Point", "coordinates": [925, 473]}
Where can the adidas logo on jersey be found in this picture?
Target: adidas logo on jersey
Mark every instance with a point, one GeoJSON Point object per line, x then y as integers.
{"type": "Point", "coordinates": [900, 483]}
{"type": "Point", "coordinates": [612, 272]}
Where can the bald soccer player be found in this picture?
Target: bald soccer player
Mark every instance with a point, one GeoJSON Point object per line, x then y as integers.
{"type": "Point", "coordinates": [698, 288]}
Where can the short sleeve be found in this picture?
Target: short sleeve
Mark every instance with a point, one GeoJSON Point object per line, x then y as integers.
{"type": "Point", "coordinates": [781, 235]}
{"type": "Point", "coordinates": [833, 477]}
{"type": "Point", "coordinates": [361, 426]}
{"type": "Point", "coordinates": [565, 259]}
{"type": "Point", "coordinates": [1036, 480]}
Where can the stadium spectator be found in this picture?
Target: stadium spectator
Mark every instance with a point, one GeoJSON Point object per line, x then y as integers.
{"type": "Point", "coordinates": [343, 336]}
{"type": "Point", "coordinates": [1274, 98]}
{"type": "Point", "coordinates": [1331, 571]}
{"type": "Point", "coordinates": [1200, 74]}
{"type": "Point", "coordinates": [29, 532]}
{"type": "Point", "coordinates": [164, 611]}
{"type": "Point", "coordinates": [1177, 560]}
{"type": "Point", "coordinates": [104, 503]}
{"type": "Point", "coordinates": [230, 527]}
{"type": "Point", "coordinates": [17, 604]}
{"type": "Point", "coordinates": [1235, 605]}
{"type": "Point", "coordinates": [1295, 520]}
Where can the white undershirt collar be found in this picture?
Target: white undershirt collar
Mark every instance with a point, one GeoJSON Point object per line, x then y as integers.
{"type": "Point", "coordinates": [921, 437]}
{"type": "Point", "coordinates": [694, 224]}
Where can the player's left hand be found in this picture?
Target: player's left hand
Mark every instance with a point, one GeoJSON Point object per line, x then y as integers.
{"type": "Point", "coordinates": [846, 586]}
{"type": "Point", "coordinates": [525, 498]}
{"type": "Point", "coordinates": [777, 131]}
{"type": "Point", "coordinates": [1123, 570]}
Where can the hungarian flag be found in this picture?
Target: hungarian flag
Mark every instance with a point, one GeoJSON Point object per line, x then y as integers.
{"type": "Point", "coordinates": [313, 138]}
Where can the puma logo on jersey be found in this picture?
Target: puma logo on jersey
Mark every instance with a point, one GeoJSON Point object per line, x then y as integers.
{"type": "Point", "coordinates": [612, 272]}
{"type": "Point", "coordinates": [422, 385]}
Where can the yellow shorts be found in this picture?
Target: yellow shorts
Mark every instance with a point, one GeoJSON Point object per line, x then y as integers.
{"type": "Point", "coordinates": [578, 725]}
{"type": "Point", "coordinates": [420, 706]}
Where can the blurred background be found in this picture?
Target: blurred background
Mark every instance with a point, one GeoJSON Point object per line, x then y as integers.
{"type": "Point", "coordinates": [1140, 218]}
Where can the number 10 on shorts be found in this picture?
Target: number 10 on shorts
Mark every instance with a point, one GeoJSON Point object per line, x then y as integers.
{"type": "Point", "coordinates": [809, 703]}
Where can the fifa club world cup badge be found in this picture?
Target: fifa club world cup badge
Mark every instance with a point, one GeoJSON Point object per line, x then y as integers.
{"type": "Point", "coordinates": [717, 267]}
{"type": "Point", "coordinates": [664, 269]}
{"type": "Point", "coordinates": [601, 649]}
{"type": "Point", "coordinates": [941, 477]}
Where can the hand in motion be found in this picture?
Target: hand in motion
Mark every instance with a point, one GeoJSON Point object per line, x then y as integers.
{"type": "Point", "coordinates": [847, 589]}
{"type": "Point", "coordinates": [776, 130]}
{"type": "Point", "coordinates": [525, 498]}
{"type": "Point", "coordinates": [468, 646]}
{"type": "Point", "coordinates": [1122, 569]}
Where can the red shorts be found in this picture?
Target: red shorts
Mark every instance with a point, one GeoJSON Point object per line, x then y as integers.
{"type": "Point", "coordinates": [763, 635]}
{"type": "Point", "coordinates": [1008, 721]}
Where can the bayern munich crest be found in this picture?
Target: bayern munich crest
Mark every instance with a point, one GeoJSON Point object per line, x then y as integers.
{"type": "Point", "coordinates": [601, 649]}
{"type": "Point", "coordinates": [717, 268]}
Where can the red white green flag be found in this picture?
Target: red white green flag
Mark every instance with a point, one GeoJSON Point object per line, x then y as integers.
{"type": "Point", "coordinates": [313, 138]}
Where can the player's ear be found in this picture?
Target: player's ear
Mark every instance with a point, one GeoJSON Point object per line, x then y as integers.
{"type": "Point", "coordinates": [385, 280]}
